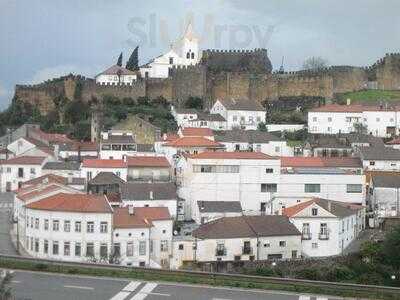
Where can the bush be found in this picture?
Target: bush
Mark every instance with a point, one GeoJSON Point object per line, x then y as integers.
{"type": "Point", "coordinates": [311, 273]}
{"type": "Point", "coordinates": [339, 273]}
{"type": "Point", "coordinates": [265, 271]}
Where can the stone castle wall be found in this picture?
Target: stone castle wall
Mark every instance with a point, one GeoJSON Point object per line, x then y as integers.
{"type": "Point", "coordinates": [200, 81]}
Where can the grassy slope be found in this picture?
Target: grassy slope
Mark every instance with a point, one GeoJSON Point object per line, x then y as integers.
{"type": "Point", "coordinates": [370, 96]}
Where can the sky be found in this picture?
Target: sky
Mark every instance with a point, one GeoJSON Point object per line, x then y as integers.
{"type": "Point", "coordinates": [44, 39]}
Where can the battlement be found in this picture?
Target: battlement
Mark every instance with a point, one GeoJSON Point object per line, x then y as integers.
{"type": "Point", "coordinates": [234, 51]}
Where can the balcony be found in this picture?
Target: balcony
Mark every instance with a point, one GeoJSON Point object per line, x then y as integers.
{"type": "Point", "coordinates": [306, 236]}
{"type": "Point", "coordinates": [220, 252]}
{"type": "Point", "coordinates": [323, 236]}
{"type": "Point", "coordinates": [247, 250]}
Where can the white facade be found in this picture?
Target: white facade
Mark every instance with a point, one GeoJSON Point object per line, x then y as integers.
{"type": "Point", "coordinates": [244, 119]}
{"type": "Point", "coordinates": [248, 181]}
{"type": "Point", "coordinates": [273, 148]}
{"type": "Point", "coordinates": [325, 234]}
{"type": "Point", "coordinates": [117, 144]}
{"type": "Point", "coordinates": [333, 119]}
{"type": "Point", "coordinates": [90, 172]}
{"type": "Point", "coordinates": [184, 52]}
{"type": "Point", "coordinates": [385, 201]}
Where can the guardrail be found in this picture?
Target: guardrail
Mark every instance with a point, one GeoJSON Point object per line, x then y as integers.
{"type": "Point", "coordinates": [387, 292]}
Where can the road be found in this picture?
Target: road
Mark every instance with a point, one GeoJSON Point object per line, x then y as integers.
{"type": "Point", "coordinates": [44, 286]}
{"type": "Point", "coordinates": [6, 203]}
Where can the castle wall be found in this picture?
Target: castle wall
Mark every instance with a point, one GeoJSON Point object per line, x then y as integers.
{"type": "Point", "coordinates": [348, 79]}
{"type": "Point", "coordinates": [388, 72]}
{"type": "Point", "coordinates": [159, 87]}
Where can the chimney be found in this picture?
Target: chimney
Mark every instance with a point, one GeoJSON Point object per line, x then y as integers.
{"type": "Point", "coordinates": [130, 209]}
{"type": "Point", "coordinates": [151, 195]}
{"type": "Point", "coordinates": [348, 101]}
{"type": "Point", "coordinates": [329, 206]}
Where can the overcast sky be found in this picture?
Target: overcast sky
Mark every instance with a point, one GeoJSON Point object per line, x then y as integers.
{"type": "Point", "coordinates": [49, 38]}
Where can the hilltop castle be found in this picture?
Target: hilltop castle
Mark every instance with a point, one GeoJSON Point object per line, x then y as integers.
{"type": "Point", "coordinates": [184, 71]}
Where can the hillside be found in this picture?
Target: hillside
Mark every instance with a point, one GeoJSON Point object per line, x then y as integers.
{"type": "Point", "coordinates": [369, 96]}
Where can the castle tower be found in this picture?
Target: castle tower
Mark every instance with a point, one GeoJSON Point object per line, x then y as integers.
{"type": "Point", "coordinates": [190, 47]}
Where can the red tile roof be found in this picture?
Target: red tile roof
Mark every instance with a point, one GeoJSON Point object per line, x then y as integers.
{"type": "Point", "coordinates": [50, 137]}
{"type": "Point", "coordinates": [170, 137]}
{"type": "Point", "coordinates": [141, 217]}
{"type": "Point", "coordinates": [86, 203]}
{"type": "Point", "coordinates": [232, 155]}
{"type": "Point", "coordinates": [24, 160]}
{"type": "Point", "coordinates": [25, 196]}
{"type": "Point", "coordinates": [148, 161]}
{"type": "Point", "coordinates": [48, 178]}
{"type": "Point", "coordinates": [104, 163]}
{"type": "Point", "coordinates": [293, 210]}
{"type": "Point", "coordinates": [353, 108]}
{"type": "Point", "coordinates": [395, 141]}
{"type": "Point", "coordinates": [193, 131]}
{"type": "Point", "coordinates": [194, 142]}
{"type": "Point", "coordinates": [320, 162]}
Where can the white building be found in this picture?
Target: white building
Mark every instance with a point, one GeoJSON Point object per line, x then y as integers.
{"type": "Point", "coordinates": [15, 171]}
{"type": "Point", "coordinates": [148, 168]}
{"type": "Point", "coordinates": [382, 121]}
{"type": "Point", "coordinates": [115, 144]}
{"type": "Point", "coordinates": [253, 140]}
{"type": "Point", "coordinates": [116, 75]}
{"type": "Point", "coordinates": [385, 197]}
{"type": "Point", "coordinates": [327, 227]}
{"type": "Point", "coordinates": [247, 238]}
{"type": "Point", "coordinates": [380, 158]}
{"type": "Point", "coordinates": [151, 195]}
{"type": "Point", "coordinates": [92, 167]}
{"type": "Point", "coordinates": [185, 52]}
{"type": "Point", "coordinates": [76, 150]}
{"type": "Point", "coordinates": [26, 146]}
{"type": "Point", "coordinates": [243, 114]}
{"type": "Point", "coordinates": [248, 177]}
{"type": "Point", "coordinates": [207, 211]}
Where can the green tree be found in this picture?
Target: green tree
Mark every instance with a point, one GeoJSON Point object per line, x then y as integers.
{"type": "Point", "coordinates": [371, 251]}
{"type": "Point", "coordinates": [5, 290]}
{"type": "Point", "coordinates": [143, 101]}
{"type": "Point", "coordinates": [194, 102]}
{"type": "Point", "coordinates": [391, 248]}
{"type": "Point", "coordinates": [315, 63]}
{"type": "Point", "coordinates": [119, 62]}
{"type": "Point", "coordinates": [133, 61]}
{"type": "Point", "coordinates": [262, 126]}
{"type": "Point", "coordinates": [76, 111]}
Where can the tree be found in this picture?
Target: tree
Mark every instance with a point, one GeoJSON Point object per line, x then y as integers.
{"type": "Point", "coordinates": [5, 291]}
{"type": "Point", "coordinates": [119, 62]}
{"type": "Point", "coordinates": [315, 63]}
{"type": "Point", "coordinates": [360, 128]}
{"type": "Point", "coordinates": [194, 102]}
{"type": "Point", "coordinates": [391, 247]}
{"type": "Point", "coordinates": [262, 127]}
{"type": "Point", "coordinates": [133, 61]}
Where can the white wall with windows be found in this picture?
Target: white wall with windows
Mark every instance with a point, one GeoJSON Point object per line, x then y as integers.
{"type": "Point", "coordinates": [12, 176]}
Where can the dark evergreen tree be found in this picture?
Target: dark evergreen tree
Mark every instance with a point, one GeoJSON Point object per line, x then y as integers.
{"type": "Point", "coordinates": [133, 62]}
{"type": "Point", "coordinates": [119, 62]}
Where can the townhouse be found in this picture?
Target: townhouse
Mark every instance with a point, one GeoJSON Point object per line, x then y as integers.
{"type": "Point", "coordinates": [15, 171]}
{"type": "Point", "coordinates": [327, 226]}
{"type": "Point", "coordinates": [382, 120]}
{"type": "Point", "coordinates": [77, 151]}
{"type": "Point", "coordinates": [253, 140]}
{"type": "Point", "coordinates": [148, 168]}
{"type": "Point", "coordinates": [106, 183]}
{"type": "Point", "coordinates": [243, 114]}
{"type": "Point", "coordinates": [380, 158]}
{"type": "Point", "coordinates": [62, 168]}
{"type": "Point", "coordinates": [115, 144]}
{"type": "Point", "coordinates": [247, 177]}
{"type": "Point", "coordinates": [92, 167]}
{"type": "Point", "coordinates": [207, 211]}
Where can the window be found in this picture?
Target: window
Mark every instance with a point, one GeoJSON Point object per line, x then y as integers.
{"type": "Point", "coordinates": [180, 247]}
{"type": "Point", "coordinates": [55, 248]}
{"type": "Point", "coordinates": [314, 211]}
{"type": "Point", "coordinates": [354, 188]}
{"type": "Point", "coordinates": [129, 249]}
{"type": "Point", "coordinates": [37, 223]}
{"type": "Point", "coordinates": [329, 129]}
{"type": "Point", "coordinates": [312, 188]}
{"type": "Point", "coordinates": [192, 55]}
{"type": "Point", "coordinates": [67, 249]}
{"type": "Point", "coordinates": [314, 119]}
{"type": "Point", "coordinates": [89, 249]}
{"type": "Point", "coordinates": [234, 118]}
{"type": "Point", "coordinates": [142, 248]}
{"type": "Point", "coordinates": [67, 226]}
{"type": "Point", "coordinates": [323, 230]}
{"type": "Point", "coordinates": [282, 243]}
{"type": "Point", "coordinates": [268, 187]}
{"type": "Point", "coordinates": [391, 120]}
{"type": "Point", "coordinates": [171, 60]}
{"type": "Point", "coordinates": [277, 149]}
{"type": "Point", "coordinates": [20, 172]}
{"type": "Point", "coordinates": [45, 246]}
{"type": "Point", "coordinates": [33, 171]}
{"type": "Point", "coordinates": [378, 119]}
{"type": "Point", "coordinates": [103, 250]}
{"type": "Point", "coordinates": [306, 230]}
{"type": "Point", "coordinates": [31, 222]}
{"type": "Point", "coordinates": [78, 226]}
{"type": "Point", "coordinates": [36, 245]}
{"type": "Point", "coordinates": [78, 249]}
{"type": "Point", "coordinates": [314, 245]}
{"type": "Point", "coordinates": [329, 119]}
{"type": "Point", "coordinates": [372, 163]}
{"type": "Point", "coordinates": [46, 224]}
{"type": "Point", "coordinates": [348, 119]}
{"type": "Point", "coordinates": [103, 227]}
{"type": "Point", "coordinates": [117, 249]}
{"type": "Point", "coordinates": [118, 173]}
{"type": "Point", "coordinates": [188, 55]}
{"type": "Point", "coordinates": [90, 227]}
{"type": "Point", "coordinates": [89, 175]}
{"type": "Point", "coordinates": [215, 169]}
{"type": "Point", "coordinates": [164, 246]}
{"type": "Point", "coordinates": [56, 225]}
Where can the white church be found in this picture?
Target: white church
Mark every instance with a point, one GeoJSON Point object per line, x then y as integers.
{"type": "Point", "coordinates": [184, 52]}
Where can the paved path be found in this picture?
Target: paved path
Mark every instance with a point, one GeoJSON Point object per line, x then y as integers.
{"type": "Point", "coordinates": [44, 286]}
{"type": "Point", "coordinates": [6, 245]}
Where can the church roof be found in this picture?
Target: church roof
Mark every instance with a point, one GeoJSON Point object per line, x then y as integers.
{"type": "Point", "coordinates": [115, 70]}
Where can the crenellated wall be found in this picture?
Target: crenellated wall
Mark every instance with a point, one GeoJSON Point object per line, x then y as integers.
{"type": "Point", "coordinates": [388, 72]}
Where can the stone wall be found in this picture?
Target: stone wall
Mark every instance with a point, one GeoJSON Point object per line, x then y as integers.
{"type": "Point", "coordinates": [388, 72]}
{"type": "Point", "coordinates": [145, 132]}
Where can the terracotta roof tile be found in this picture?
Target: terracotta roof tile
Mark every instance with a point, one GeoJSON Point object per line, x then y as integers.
{"type": "Point", "coordinates": [24, 160]}
{"type": "Point", "coordinates": [147, 161]}
{"type": "Point", "coordinates": [38, 192]}
{"type": "Point", "coordinates": [141, 217]}
{"type": "Point", "coordinates": [232, 155]}
{"type": "Point", "coordinates": [194, 142]}
{"type": "Point", "coordinates": [86, 203]}
{"type": "Point", "coordinates": [104, 163]}
{"type": "Point", "coordinates": [353, 108]}
{"type": "Point", "coordinates": [193, 131]}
